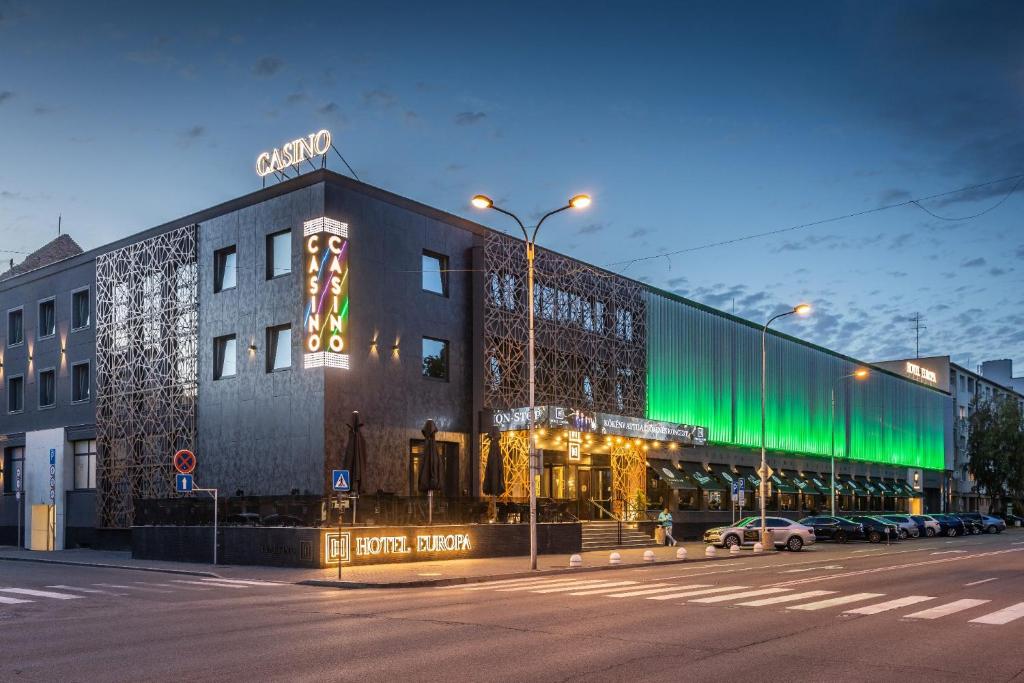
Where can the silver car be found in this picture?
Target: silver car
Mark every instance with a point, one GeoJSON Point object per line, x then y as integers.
{"type": "Point", "coordinates": [908, 527]}
{"type": "Point", "coordinates": [785, 533]}
{"type": "Point", "coordinates": [931, 525]}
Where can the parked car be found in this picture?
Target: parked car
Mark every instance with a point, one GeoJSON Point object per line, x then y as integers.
{"type": "Point", "coordinates": [951, 524]}
{"type": "Point", "coordinates": [785, 533]}
{"type": "Point", "coordinates": [931, 525]}
{"type": "Point", "coordinates": [282, 520]}
{"type": "Point", "coordinates": [836, 529]}
{"type": "Point", "coordinates": [1012, 520]}
{"type": "Point", "coordinates": [973, 522]}
{"type": "Point", "coordinates": [877, 530]}
{"type": "Point", "coordinates": [908, 527]}
{"type": "Point", "coordinates": [993, 525]}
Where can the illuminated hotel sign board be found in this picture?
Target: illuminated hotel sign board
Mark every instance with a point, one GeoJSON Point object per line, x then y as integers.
{"type": "Point", "coordinates": [325, 290]}
{"type": "Point", "coordinates": [923, 374]}
{"type": "Point", "coordinates": [400, 547]}
{"type": "Point", "coordinates": [293, 153]}
{"type": "Point", "coordinates": [518, 419]}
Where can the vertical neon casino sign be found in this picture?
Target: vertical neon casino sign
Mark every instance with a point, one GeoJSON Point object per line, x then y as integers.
{"type": "Point", "coordinates": [325, 322]}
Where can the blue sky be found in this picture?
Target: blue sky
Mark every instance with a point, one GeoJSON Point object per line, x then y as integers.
{"type": "Point", "coordinates": [689, 124]}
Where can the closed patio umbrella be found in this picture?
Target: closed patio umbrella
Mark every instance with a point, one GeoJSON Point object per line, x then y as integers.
{"type": "Point", "coordinates": [354, 459]}
{"type": "Point", "coordinates": [430, 468]}
{"type": "Point", "coordinates": [494, 475]}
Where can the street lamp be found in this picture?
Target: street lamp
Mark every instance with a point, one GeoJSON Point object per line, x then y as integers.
{"type": "Point", "coordinates": [580, 201]}
{"type": "Point", "coordinates": [860, 373]}
{"type": "Point", "coordinates": [799, 309]}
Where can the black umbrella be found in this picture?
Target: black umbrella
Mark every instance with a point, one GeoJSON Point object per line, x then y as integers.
{"type": "Point", "coordinates": [494, 475]}
{"type": "Point", "coordinates": [430, 467]}
{"type": "Point", "coordinates": [354, 459]}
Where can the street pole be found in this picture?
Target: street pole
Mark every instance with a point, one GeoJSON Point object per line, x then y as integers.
{"type": "Point", "coordinates": [832, 482]}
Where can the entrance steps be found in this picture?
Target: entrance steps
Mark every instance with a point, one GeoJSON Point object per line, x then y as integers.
{"type": "Point", "coordinates": [604, 535]}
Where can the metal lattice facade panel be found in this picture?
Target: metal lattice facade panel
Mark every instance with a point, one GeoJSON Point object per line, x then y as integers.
{"type": "Point", "coordinates": [590, 333]}
{"type": "Point", "coordinates": [146, 369]}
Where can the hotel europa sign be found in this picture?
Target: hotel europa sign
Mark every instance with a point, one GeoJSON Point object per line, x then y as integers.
{"type": "Point", "coordinates": [325, 290]}
{"type": "Point", "coordinates": [379, 546]}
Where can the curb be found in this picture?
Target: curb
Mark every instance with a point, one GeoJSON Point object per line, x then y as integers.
{"type": "Point", "coordinates": [183, 572]}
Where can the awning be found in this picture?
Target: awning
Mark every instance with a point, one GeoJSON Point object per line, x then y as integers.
{"type": "Point", "coordinates": [782, 485]}
{"type": "Point", "coordinates": [868, 486]}
{"type": "Point", "coordinates": [854, 486]}
{"type": "Point", "coordinates": [805, 486]}
{"type": "Point", "coordinates": [906, 490]}
{"type": "Point", "coordinates": [884, 486]}
{"type": "Point", "coordinates": [706, 481]}
{"type": "Point", "coordinates": [725, 475]}
{"type": "Point", "coordinates": [675, 480]}
{"type": "Point", "coordinates": [819, 482]}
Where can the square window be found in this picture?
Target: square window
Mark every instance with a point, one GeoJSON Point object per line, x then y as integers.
{"type": "Point", "coordinates": [224, 357]}
{"type": "Point", "coordinates": [47, 318]}
{"type": "Point", "coordinates": [435, 273]}
{"type": "Point", "coordinates": [80, 310]}
{"type": "Point", "coordinates": [279, 254]}
{"type": "Point", "coordinates": [225, 264]}
{"type": "Point", "coordinates": [15, 394]}
{"type": "Point", "coordinates": [80, 382]}
{"type": "Point", "coordinates": [47, 388]}
{"type": "Point", "coordinates": [15, 328]}
{"type": "Point", "coordinates": [435, 358]}
{"type": "Point", "coordinates": [279, 348]}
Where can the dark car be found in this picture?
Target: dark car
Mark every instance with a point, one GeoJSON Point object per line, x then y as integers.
{"type": "Point", "coordinates": [835, 529]}
{"type": "Point", "coordinates": [983, 523]}
{"type": "Point", "coordinates": [973, 522]}
{"type": "Point", "coordinates": [951, 525]}
{"type": "Point", "coordinates": [877, 530]}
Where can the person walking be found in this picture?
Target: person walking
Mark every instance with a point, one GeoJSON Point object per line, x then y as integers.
{"type": "Point", "coordinates": [665, 521]}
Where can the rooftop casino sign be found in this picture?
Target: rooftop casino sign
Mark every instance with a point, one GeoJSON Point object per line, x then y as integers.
{"type": "Point", "coordinates": [325, 321]}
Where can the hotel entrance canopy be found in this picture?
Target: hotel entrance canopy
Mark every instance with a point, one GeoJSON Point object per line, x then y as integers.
{"type": "Point", "coordinates": [557, 417]}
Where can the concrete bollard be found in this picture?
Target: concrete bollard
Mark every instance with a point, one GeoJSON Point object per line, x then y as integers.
{"type": "Point", "coordinates": [575, 561]}
{"type": "Point", "coordinates": [615, 558]}
{"type": "Point", "coordinates": [735, 550]}
{"type": "Point", "coordinates": [648, 556]}
{"type": "Point", "coordinates": [710, 551]}
{"type": "Point", "coordinates": [681, 553]}
{"type": "Point", "coordinates": [758, 548]}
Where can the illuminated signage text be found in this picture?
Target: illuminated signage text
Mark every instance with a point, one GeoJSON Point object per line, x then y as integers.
{"type": "Point", "coordinates": [325, 322]}
{"type": "Point", "coordinates": [923, 374]}
{"type": "Point", "coordinates": [342, 547]}
{"type": "Point", "coordinates": [293, 153]}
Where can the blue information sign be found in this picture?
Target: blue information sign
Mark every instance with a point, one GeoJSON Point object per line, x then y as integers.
{"type": "Point", "coordinates": [53, 456]}
{"type": "Point", "coordinates": [183, 483]}
{"type": "Point", "coordinates": [735, 487]}
{"type": "Point", "coordinates": [341, 481]}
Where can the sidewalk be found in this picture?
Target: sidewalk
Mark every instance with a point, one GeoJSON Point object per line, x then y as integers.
{"type": "Point", "coordinates": [404, 575]}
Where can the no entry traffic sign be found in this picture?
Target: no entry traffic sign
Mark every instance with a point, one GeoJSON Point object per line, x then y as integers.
{"type": "Point", "coordinates": [184, 461]}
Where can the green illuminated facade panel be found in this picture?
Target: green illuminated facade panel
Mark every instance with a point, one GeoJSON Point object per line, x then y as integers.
{"type": "Point", "coordinates": [704, 367]}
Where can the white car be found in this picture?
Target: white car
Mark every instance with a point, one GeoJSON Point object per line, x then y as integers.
{"type": "Point", "coordinates": [785, 533]}
{"type": "Point", "coordinates": [931, 526]}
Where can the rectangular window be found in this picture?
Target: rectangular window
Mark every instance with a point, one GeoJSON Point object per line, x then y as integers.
{"type": "Point", "coordinates": [224, 357]}
{"type": "Point", "coordinates": [80, 309]}
{"type": "Point", "coordinates": [47, 318]}
{"type": "Point", "coordinates": [970, 384]}
{"type": "Point", "coordinates": [279, 254]}
{"type": "Point", "coordinates": [15, 327]}
{"type": "Point", "coordinates": [962, 382]}
{"type": "Point", "coordinates": [85, 464]}
{"type": "Point", "coordinates": [47, 388]}
{"type": "Point", "coordinates": [225, 265]}
{"type": "Point", "coordinates": [80, 382]}
{"type": "Point", "coordinates": [279, 348]}
{"type": "Point", "coordinates": [14, 460]}
{"type": "Point", "coordinates": [435, 358]}
{"type": "Point", "coordinates": [435, 273]}
{"type": "Point", "coordinates": [15, 394]}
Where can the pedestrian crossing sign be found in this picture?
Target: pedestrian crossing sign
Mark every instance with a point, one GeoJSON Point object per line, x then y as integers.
{"type": "Point", "coordinates": [341, 481]}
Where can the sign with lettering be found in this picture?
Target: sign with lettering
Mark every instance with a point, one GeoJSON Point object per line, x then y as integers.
{"type": "Point", "coordinates": [347, 547]}
{"type": "Point", "coordinates": [293, 153]}
{"type": "Point", "coordinates": [325, 290]}
{"type": "Point", "coordinates": [923, 374]}
{"type": "Point", "coordinates": [599, 423]}
{"type": "Point", "coordinates": [575, 441]}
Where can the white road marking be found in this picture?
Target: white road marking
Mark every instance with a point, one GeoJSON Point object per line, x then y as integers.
{"type": "Point", "coordinates": [833, 602]}
{"type": "Point", "coordinates": [11, 601]}
{"type": "Point", "coordinates": [153, 583]}
{"type": "Point", "coordinates": [1017, 543]}
{"type": "Point", "coordinates": [785, 598]}
{"type": "Point", "coordinates": [890, 605]}
{"type": "Point", "coordinates": [738, 596]}
{"type": "Point", "coordinates": [248, 582]}
{"type": "Point", "coordinates": [79, 589]}
{"type": "Point", "coordinates": [1003, 616]}
{"type": "Point", "coordinates": [208, 584]}
{"type": "Point", "coordinates": [811, 569]}
{"type": "Point", "coordinates": [651, 590]}
{"type": "Point", "coordinates": [531, 586]}
{"type": "Point", "coordinates": [41, 594]}
{"type": "Point", "coordinates": [703, 591]}
{"type": "Point", "coordinates": [571, 587]}
{"type": "Point", "coordinates": [490, 585]}
{"type": "Point", "coordinates": [975, 583]}
{"type": "Point", "coordinates": [131, 588]}
{"type": "Point", "coordinates": [610, 588]}
{"type": "Point", "coordinates": [486, 584]}
{"type": "Point", "coordinates": [947, 609]}
{"type": "Point", "coordinates": [948, 552]}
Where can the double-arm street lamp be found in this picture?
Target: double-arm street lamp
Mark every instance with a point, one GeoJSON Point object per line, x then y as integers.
{"type": "Point", "coordinates": [580, 201]}
{"type": "Point", "coordinates": [859, 373]}
{"type": "Point", "coordinates": [801, 309]}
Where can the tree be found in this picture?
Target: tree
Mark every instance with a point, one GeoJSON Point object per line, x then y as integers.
{"type": "Point", "coordinates": [996, 447]}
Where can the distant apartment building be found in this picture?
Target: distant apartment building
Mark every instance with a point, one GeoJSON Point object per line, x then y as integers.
{"type": "Point", "coordinates": [1001, 372]}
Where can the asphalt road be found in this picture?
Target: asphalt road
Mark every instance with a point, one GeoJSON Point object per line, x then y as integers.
{"type": "Point", "coordinates": [926, 610]}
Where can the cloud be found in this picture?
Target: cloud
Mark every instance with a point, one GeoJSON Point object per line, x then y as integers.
{"type": "Point", "coordinates": [676, 281]}
{"type": "Point", "coordinates": [893, 195]}
{"type": "Point", "coordinates": [7, 194]}
{"type": "Point", "coordinates": [973, 263]}
{"type": "Point", "coordinates": [190, 135]}
{"type": "Point", "coordinates": [296, 98]}
{"type": "Point", "coordinates": [468, 118]}
{"type": "Point", "coordinates": [452, 168]}
{"type": "Point", "coordinates": [996, 272]}
{"type": "Point", "coordinates": [901, 240]}
{"type": "Point", "coordinates": [41, 110]}
{"type": "Point", "coordinates": [590, 229]}
{"type": "Point", "coordinates": [5, 95]}
{"type": "Point", "coordinates": [378, 98]}
{"type": "Point", "coordinates": [267, 66]}
{"type": "Point", "coordinates": [411, 116]}
{"type": "Point", "coordinates": [1020, 251]}
{"type": "Point", "coordinates": [638, 232]}
{"type": "Point", "coordinates": [328, 108]}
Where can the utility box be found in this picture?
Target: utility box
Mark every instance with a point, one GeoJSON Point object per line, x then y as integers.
{"type": "Point", "coordinates": [41, 526]}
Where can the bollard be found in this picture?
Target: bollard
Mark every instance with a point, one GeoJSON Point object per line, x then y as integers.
{"type": "Point", "coordinates": [575, 561]}
{"type": "Point", "coordinates": [615, 558]}
{"type": "Point", "coordinates": [681, 554]}
{"type": "Point", "coordinates": [735, 550]}
{"type": "Point", "coordinates": [648, 556]}
{"type": "Point", "coordinates": [710, 551]}
{"type": "Point", "coordinates": [758, 548]}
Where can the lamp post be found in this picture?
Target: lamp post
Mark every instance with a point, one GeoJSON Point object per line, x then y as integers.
{"type": "Point", "coordinates": [800, 309]}
{"type": "Point", "coordinates": [860, 373]}
{"type": "Point", "coordinates": [580, 201]}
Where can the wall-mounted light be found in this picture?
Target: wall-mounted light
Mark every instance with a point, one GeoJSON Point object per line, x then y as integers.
{"type": "Point", "coordinates": [394, 349]}
{"type": "Point", "coordinates": [62, 350]}
{"type": "Point", "coordinates": [252, 348]}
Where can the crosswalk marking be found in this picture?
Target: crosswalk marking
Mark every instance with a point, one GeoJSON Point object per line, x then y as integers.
{"type": "Point", "coordinates": [570, 587]}
{"type": "Point", "coordinates": [153, 583]}
{"type": "Point", "coordinates": [785, 598]}
{"type": "Point", "coordinates": [947, 609]}
{"type": "Point", "coordinates": [603, 586]}
{"type": "Point", "coordinates": [890, 605]}
{"type": "Point", "coordinates": [745, 594]}
{"type": "Point", "coordinates": [531, 586]}
{"type": "Point", "coordinates": [832, 602]}
{"type": "Point", "coordinates": [650, 590]}
{"type": "Point", "coordinates": [80, 589]}
{"type": "Point", "coordinates": [41, 594]}
{"type": "Point", "coordinates": [492, 585]}
{"type": "Point", "coordinates": [703, 591]}
{"type": "Point", "coordinates": [617, 588]}
{"type": "Point", "coordinates": [207, 583]}
{"type": "Point", "coordinates": [132, 588]}
{"type": "Point", "coordinates": [1003, 616]}
{"type": "Point", "coordinates": [249, 582]}
{"type": "Point", "coordinates": [11, 601]}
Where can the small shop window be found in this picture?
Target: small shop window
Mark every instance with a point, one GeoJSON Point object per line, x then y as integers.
{"type": "Point", "coordinates": [14, 459]}
{"type": "Point", "coordinates": [715, 501]}
{"type": "Point", "coordinates": [85, 464]}
{"type": "Point", "coordinates": [689, 499]}
{"type": "Point", "coordinates": [787, 501]}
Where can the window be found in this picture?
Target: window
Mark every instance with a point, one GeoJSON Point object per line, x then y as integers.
{"type": "Point", "coordinates": [279, 348]}
{"type": "Point", "coordinates": [14, 460]}
{"type": "Point", "coordinates": [47, 318]}
{"type": "Point", "coordinates": [224, 357]}
{"type": "Point", "coordinates": [225, 264]}
{"type": "Point", "coordinates": [121, 308]}
{"type": "Point", "coordinates": [80, 382]}
{"type": "Point", "coordinates": [85, 464]}
{"type": "Point", "coordinates": [776, 523]}
{"type": "Point", "coordinates": [279, 254]}
{"type": "Point", "coordinates": [15, 394]}
{"type": "Point", "coordinates": [970, 384]}
{"type": "Point", "coordinates": [15, 328]}
{"type": "Point", "coordinates": [435, 273]}
{"type": "Point", "coordinates": [962, 378]}
{"type": "Point", "coordinates": [80, 310]}
{"type": "Point", "coordinates": [448, 452]}
{"type": "Point", "coordinates": [47, 388]}
{"type": "Point", "coordinates": [689, 499]}
{"type": "Point", "coordinates": [435, 358]}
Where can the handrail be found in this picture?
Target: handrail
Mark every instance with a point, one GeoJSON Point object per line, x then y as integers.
{"type": "Point", "coordinates": [604, 510]}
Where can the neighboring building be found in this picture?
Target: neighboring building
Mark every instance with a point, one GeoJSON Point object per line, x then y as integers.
{"type": "Point", "coordinates": [249, 332]}
{"type": "Point", "coordinates": [1001, 372]}
{"type": "Point", "coordinates": [966, 389]}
